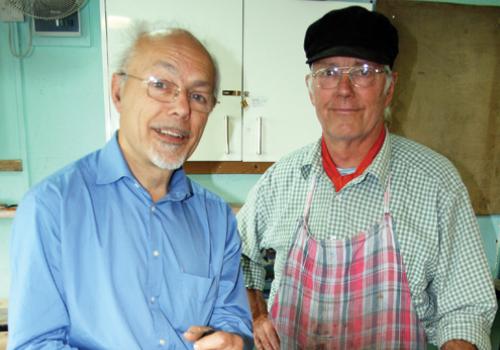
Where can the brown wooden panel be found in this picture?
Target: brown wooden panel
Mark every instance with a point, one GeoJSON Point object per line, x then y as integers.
{"type": "Point", "coordinates": [11, 165]}
{"type": "Point", "coordinates": [448, 90]}
{"type": "Point", "coordinates": [226, 167]}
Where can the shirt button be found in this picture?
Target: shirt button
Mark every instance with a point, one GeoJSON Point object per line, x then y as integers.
{"type": "Point", "coordinates": [156, 253]}
{"type": "Point", "coordinates": [152, 300]}
{"type": "Point", "coordinates": [162, 342]}
{"type": "Point", "coordinates": [136, 185]}
{"type": "Point", "coordinates": [153, 208]}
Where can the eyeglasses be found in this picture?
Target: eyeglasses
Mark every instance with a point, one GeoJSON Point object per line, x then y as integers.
{"type": "Point", "coordinates": [360, 76]}
{"type": "Point", "coordinates": [167, 91]}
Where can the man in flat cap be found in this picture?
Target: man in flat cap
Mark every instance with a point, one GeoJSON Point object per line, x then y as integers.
{"type": "Point", "coordinates": [376, 242]}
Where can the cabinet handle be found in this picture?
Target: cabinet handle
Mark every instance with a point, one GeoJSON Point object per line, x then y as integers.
{"type": "Point", "coordinates": [234, 93]}
{"type": "Point", "coordinates": [226, 133]}
{"type": "Point", "coordinates": [259, 135]}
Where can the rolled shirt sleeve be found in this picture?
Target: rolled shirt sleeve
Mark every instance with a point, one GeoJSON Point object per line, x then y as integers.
{"type": "Point", "coordinates": [465, 298]}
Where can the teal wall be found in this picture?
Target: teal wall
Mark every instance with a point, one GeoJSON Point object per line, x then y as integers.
{"type": "Point", "coordinates": [51, 112]}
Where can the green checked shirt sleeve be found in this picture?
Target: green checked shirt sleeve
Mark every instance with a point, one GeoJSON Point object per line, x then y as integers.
{"type": "Point", "coordinates": [434, 223]}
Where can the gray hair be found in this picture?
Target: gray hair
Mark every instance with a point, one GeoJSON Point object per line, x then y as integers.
{"type": "Point", "coordinates": [388, 81]}
{"type": "Point", "coordinates": [143, 29]}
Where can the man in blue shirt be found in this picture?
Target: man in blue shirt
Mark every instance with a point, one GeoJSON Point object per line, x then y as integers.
{"type": "Point", "coordinates": [120, 250]}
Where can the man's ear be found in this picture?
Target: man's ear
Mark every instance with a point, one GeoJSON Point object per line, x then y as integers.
{"type": "Point", "coordinates": [390, 91]}
{"type": "Point", "coordinates": [116, 91]}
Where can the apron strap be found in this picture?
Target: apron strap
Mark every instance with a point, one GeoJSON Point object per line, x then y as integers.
{"type": "Point", "coordinates": [387, 195]}
{"type": "Point", "coordinates": [309, 197]}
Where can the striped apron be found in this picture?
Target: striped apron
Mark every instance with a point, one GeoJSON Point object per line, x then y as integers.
{"type": "Point", "coordinates": [346, 294]}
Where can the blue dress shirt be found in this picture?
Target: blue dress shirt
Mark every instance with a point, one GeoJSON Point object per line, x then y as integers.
{"type": "Point", "coordinates": [96, 264]}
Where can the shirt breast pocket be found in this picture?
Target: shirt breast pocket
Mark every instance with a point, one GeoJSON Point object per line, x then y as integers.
{"type": "Point", "coordinates": [191, 299]}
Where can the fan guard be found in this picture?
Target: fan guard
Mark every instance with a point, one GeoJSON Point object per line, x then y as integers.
{"type": "Point", "coordinates": [47, 9]}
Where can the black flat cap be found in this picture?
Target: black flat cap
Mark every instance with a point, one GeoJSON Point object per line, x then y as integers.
{"type": "Point", "coordinates": [353, 32]}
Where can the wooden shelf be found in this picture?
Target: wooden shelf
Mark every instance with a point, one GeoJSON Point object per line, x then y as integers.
{"type": "Point", "coordinates": [11, 165]}
{"type": "Point", "coordinates": [232, 167]}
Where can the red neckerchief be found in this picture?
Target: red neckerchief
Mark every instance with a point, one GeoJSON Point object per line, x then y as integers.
{"type": "Point", "coordinates": [340, 181]}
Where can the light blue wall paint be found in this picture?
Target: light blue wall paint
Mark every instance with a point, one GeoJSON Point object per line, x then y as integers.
{"type": "Point", "coordinates": [233, 188]}
{"type": "Point", "coordinates": [63, 98]}
{"type": "Point", "coordinates": [59, 112]}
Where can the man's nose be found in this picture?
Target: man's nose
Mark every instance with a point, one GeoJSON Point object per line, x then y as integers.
{"type": "Point", "coordinates": [180, 105]}
{"type": "Point", "coordinates": [345, 85]}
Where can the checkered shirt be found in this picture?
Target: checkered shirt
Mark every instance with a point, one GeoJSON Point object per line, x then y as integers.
{"type": "Point", "coordinates": [434, 223]}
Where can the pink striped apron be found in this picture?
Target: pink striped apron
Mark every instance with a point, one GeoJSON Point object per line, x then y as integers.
{"type": "Point", "coordinates": [346, 294]}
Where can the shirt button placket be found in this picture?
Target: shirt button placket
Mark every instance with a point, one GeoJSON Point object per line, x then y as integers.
{"type": "Point", "coordinates": [156, 254]}
{"type": "Point", "coordinates": [155, 273]}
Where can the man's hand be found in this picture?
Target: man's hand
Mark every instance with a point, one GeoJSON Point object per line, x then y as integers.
{"type": "Point", "coordinates": [265, 336]}
{"type": "Point", "coordinates": [206, 338]}
{"type": "Point", "coordinates": [458, 345]}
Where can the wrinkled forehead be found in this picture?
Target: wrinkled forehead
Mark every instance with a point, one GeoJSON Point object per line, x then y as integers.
{"type": "Point", "coordinates": [172, 53]}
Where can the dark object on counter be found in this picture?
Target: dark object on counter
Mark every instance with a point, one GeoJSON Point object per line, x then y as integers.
{"type": "Point", "coordinates": [8, 206]}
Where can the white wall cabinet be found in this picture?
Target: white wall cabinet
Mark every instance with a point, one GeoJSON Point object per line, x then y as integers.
{"type": "Point", "coordinates": [258, 45]}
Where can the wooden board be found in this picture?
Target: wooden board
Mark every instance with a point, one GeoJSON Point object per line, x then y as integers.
{"type": "Point", "coordinates": [226, 167]}
{"type": "Point", "coordinates": [11, 165]}
{"type": "Point", "coordinates": [448, 91]}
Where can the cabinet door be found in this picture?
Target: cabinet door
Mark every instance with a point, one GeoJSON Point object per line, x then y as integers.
{"type": "Point", "coordinates": [218, 24]}
{"type": "Point", "coordinates": [279, 117]}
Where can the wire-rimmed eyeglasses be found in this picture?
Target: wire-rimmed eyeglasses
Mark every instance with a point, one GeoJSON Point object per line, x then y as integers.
{"type": "Point", "coordinates": [167, 91]}
{"type": "Point", "coordinates": [360, 76]}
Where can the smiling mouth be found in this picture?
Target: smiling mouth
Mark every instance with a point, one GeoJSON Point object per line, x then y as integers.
{"type": "Point", "coordinates": [345, 110]}
{"type": "Point", "coordinates": [172, 135]}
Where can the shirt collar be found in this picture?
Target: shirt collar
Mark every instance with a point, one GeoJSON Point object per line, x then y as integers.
{"type": "Point", "coordinates": [179, 187]}
{"type": "Point", "coordinates": [311, 163]}
{"type": "Point", "coordinates": [379, 168]}
{"type": "Point", "coordinates": [112, 167]}
{"type": "Point", "coordinates": [111, 163]}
